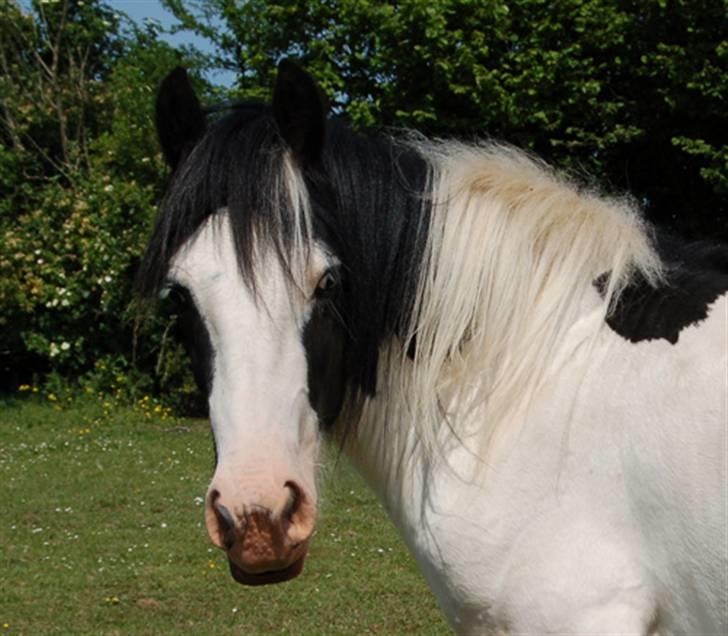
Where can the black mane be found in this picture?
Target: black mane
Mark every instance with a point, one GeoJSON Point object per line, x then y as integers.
{"type": "Point", "coordinates": [224, 170]}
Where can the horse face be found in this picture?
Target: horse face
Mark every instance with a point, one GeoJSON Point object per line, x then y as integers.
{"type": "Point", "coordinates": [251, 345]}
{"type": "Point", "coordinates": [267, 346]}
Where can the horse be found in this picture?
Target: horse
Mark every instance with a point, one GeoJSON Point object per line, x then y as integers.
{"type": "Point", "coordinates": [531, 378]}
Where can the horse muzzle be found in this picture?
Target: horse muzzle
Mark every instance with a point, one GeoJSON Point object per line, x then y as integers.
{"type": "Point", "coordinates": [265, 542]}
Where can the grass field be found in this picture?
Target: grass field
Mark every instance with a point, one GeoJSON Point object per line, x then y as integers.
{"type": "Point", "coordinates": [101, 532]}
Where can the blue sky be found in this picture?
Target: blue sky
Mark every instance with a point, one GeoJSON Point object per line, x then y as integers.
{"type": "Point", "coordinates": [138, 10]}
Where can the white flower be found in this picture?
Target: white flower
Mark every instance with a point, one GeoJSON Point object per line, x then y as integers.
{"type": "Point", "coordinates": [65, 346]}
{"type": "Point", "coordinates": [109, 188]}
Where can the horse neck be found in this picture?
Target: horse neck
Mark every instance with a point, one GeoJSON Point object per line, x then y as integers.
{"type": "Point", "coordinates": [382, 437]}
{"type": "Point", "coordinates": [384, 445]}
{"type": "Point", "coordinates": [512, 255]}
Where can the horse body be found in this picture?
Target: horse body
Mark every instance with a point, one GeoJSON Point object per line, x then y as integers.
{"type": "Point", "coordinates": [591, 515]}
{"type": "Point", "coordinates": [536, 395]}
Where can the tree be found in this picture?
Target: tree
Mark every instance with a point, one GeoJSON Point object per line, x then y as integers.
{"type": "Point", "coordinates": [633, 92]}
{"type": "Point", "coordinates": [80, 174]}
{"type": "Point", "coordinates": [51, 64]}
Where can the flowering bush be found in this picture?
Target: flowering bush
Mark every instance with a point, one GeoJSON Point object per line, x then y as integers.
{"type": "Point", "coordinates": [65, 271]}
{"type": "Point", "coordinates": [66, 277]}
{"type": "Point", "coordinates": [80, 172]}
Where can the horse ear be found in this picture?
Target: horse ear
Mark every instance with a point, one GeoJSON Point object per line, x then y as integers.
{"type": "Point", "coordinates": [179, 116]}
{"type": "Point", "coordinates": [300, 109]}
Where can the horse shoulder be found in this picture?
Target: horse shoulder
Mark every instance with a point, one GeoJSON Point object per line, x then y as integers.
{"type": "Point", "coordinates": [586, 508]}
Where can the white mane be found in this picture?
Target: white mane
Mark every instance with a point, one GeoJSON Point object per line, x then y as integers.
{"type": "Point", "coordinates": [512, 256]}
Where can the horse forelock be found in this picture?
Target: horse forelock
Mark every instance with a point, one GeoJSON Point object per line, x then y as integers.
{"type": "Point", "coordinates": [241, 167]}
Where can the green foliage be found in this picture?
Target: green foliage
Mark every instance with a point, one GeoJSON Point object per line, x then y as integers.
{"type": "Point", "coordinates": [53, 61]}
{"type": "Point", "coordinates": [632, 92]}
{"type": "Point", "coordinates": [64, 269]}
{"type": "Point", "coordinates": [80, 175]}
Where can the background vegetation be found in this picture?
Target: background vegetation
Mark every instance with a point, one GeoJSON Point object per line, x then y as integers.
{"type": "Point", "coordinates": [633, 93]}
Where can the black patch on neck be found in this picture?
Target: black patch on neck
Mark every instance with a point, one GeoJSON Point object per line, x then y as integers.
{"type": "Point", "coordinates": [697, 274]}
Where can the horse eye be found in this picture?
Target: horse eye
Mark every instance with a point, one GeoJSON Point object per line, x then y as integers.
{"type": "Point", "coordinates": [174, 298]}
{"type": "Point", "coordinates": [327, 283]}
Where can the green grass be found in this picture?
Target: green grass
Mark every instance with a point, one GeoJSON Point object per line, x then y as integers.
{"type": "Point", "coordinates": [101, 532]}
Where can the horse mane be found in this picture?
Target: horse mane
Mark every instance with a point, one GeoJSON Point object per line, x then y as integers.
{"type": "Point", "coordinates": [513, 251]}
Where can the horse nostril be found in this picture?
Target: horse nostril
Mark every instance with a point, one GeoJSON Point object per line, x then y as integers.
{"type": "Point", "coordinates": [225, 517]}
{"type": "Point", "coordinates": [227, 524]}
{"type": "Point", "coordinates": [294, 500]}
{"type": "Point", "coordinates": [225, 521]}
{"type": "Point", "coordinates": [298, 516]}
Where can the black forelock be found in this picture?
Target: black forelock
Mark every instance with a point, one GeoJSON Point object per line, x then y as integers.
{"type": "Point", "coordinates": [236, 165]}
